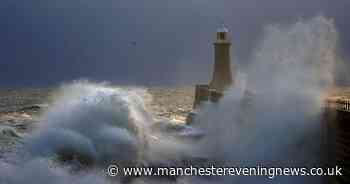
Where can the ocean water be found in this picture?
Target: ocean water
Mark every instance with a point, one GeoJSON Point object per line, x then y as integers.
{"type": "Point", "coordinates": [88, 126]}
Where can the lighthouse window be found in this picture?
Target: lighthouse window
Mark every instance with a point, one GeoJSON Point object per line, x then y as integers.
{"type": "Point", "coordinates": [222, 36]}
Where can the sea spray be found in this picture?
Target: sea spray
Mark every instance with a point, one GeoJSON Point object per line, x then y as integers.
{"type": "Point", "coordinates": [275, 119]}
{"type": "Point", "coordinates": [95, 124]}
{"type": "Point", "coordinates": [41, 170]}
{"type": "Point", "coordinates": [270, 117]}
{"type": "Point", "coordinates": [87, 127]}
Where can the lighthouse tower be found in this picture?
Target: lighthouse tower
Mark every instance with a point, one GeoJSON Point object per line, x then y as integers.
{"type": "Point", "coordinates": [222, 76]}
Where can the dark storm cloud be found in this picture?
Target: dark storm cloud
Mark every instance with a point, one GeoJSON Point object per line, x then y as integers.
{"type": "Point", "coordinates": [137, 42]}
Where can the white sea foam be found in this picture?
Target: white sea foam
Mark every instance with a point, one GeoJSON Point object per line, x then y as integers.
{"type": "Point", "coordinates": [276, 125]}
{"type": "Point", "coordinates": [274, 120]}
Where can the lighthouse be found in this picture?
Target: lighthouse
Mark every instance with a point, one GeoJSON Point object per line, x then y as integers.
{"type": "Point", "coordinates": [222, 76]}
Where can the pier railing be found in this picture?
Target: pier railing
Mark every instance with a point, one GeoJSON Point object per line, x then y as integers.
{"type": "Point", "coordinates": [340, 104]}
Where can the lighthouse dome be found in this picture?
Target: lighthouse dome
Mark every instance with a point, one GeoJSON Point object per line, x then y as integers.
{"type": "Point", "coordinates": [222, 29]}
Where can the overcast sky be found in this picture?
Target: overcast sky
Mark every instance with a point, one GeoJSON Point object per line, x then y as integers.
{"type": "Point", "coordinates": [150, 42]}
